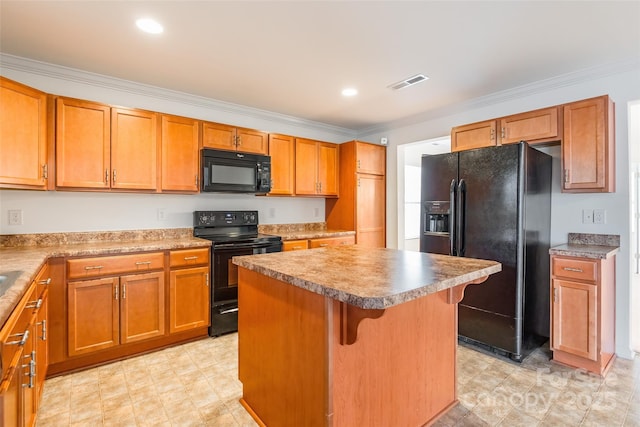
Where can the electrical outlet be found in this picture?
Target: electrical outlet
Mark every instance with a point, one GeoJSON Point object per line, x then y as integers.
{"type": "Point", "coordinates": [587, 216]}
{"type": "Point", "coordinates": [15, 217]}
{"type": "Point", "coordinates": [316, 212]}
{"type": "Point", "coordinates": [272, 212]}
{"type": "Point", "coordinates": [599, 216]}
{"type": "Point", "coordinates": [162, 214]}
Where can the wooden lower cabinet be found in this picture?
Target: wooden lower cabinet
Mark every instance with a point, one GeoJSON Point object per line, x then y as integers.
{"type": "Point", "coordinates": [188, 299]}
{"type": "Point", "coordinates": [116, 306]}
{"type": "Point", "coordinates": [107, 312]}
{"type": "Point", "coordinates": [21, 354]}
{"type": "Point", "coordinates": [583, 312]}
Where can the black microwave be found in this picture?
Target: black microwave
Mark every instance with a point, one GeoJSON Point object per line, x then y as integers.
{"type": "Point", "coordinates": [234, 172]}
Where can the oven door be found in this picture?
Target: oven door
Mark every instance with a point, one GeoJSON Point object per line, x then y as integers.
{"type": "Point", "coordinates": [225, 273]}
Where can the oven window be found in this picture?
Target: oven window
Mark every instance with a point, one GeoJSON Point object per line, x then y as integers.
{"type": "Point", "coordinates": [224, 174]}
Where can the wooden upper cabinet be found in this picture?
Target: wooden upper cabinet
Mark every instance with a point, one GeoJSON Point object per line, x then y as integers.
{"type": "Point", "coordinates": [180, 155]}
{"type": "Point", "coordinates": [282, 152]}
{"type": "Point", "coordinates": [328, 169]}
{"type": "Point", "coordinates": [588, 146]}
{"type": "Point", "coordinates": [371, 158]}
{"type": "Point", "coordinates": [219, 136]}
{"type": "Point", "coordinates": [83, 144]}
{"type": "Point", "coordinates": [225, 137]}
{"type": "Point", "coordinates": [533, 126]}
{"type": "Point", "coordinates": [475, 135]}
{"type": "Point", "coordinates": [134, 148]}
{"type": "Point", "coordinates": [23, 136]}
{"type": "Point", "coordinates": [316, 168]}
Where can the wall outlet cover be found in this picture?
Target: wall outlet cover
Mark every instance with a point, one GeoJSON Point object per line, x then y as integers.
{"type": "Point", "coordinates": [599, 216]}
{"type": "Point", "coordinates": [15, 217]}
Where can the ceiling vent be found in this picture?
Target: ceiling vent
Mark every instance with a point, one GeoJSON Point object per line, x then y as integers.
{"type": "Point", "coordinates": [408, 82]}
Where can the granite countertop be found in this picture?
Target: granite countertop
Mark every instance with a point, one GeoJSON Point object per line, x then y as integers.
{"type": "Point", "coordinates": [29, 258]}
{"type": "Point", "coordinates": [366, 277]}
{"type": "Point", "coordinates": [303, 231]}
{"type": "Point", "coordinates": [596, 246]}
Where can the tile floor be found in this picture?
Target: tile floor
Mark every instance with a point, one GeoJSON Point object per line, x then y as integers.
{"type": "Point", "coordinates": [196, 385]}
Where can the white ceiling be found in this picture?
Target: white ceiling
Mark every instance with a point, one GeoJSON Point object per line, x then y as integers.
{"type": "Point", "coordinates": [294, 57]}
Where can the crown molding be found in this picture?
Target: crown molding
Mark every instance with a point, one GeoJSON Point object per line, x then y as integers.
{"type": "Point", "coordinates": [60, 72]}
{"type": "Point", "coordinates": [563, 80]}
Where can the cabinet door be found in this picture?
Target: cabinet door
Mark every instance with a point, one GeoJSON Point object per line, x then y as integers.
{"type": "Point", "coordinates": [532, 126]}
{"type": "Point", "coordinates": [141, 306]}
{"type": "Point", "coordinates": [574, 318]}
{"type": "Point", "coordinates": [134, 148]}
{"type": "Point", "coordinates": [93, 315]}
{"type": "Point", "coordinates": [42, 345]}
{"type": "Point", "coordinates": [306, 167]}
{"type": "Point", "coordinates": [328, 169]}
{"type": "Point", "coordinates": [83, 144]}
{"type": "Point", "coordinates": [180, 160]}
{"type": "Point", "coordinates": [282, 152]}
{"type": "Point", "coordinates": [23, 133]}
{"type": "Point", "coordinates": [215, 135]}
{"type": "Point", "coordinates": [370, 210]}
{"type": "Point", "coordinates": [371, 158]}
{"type": "Point", "coordinates": [189, 299]}
{"type": "Point", "coordinates": [588, 146]}
{"type": "Point", "coordinates": [11, 392]}
{"type": "Point", "coordinates": [252, 141]}
{"type": "Point", "coordinates": [475, 135]}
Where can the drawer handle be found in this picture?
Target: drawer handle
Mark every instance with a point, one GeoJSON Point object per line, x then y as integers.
{"type": "Point", "coordinates": [298, 247]}
{"type": "Point", "coordinates": [93, 267]}
{"type": "Point", "coordinates": [43, 337]}
{"type": "Point", "coordinates": [143, 262]}
{"type": "Point", "coordinates": [23, 340]}
{"type": "Point", "coordinates": [190, 258]}
{"type": "Point", "coordinates": [576, 270]}
{"type": "Point", "coordinates": [322, 245]}
{"type": "Point", "coordinates": [45, 282]}
{"type": "Point", "coordinates": [35, 304]}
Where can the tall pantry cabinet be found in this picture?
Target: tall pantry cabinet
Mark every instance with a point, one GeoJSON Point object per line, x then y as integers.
{"type": "Point", "coordinates": [362, 202]}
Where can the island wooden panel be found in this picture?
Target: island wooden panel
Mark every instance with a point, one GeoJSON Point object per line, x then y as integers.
{"type": "Point", "coordinates": [399, 371]}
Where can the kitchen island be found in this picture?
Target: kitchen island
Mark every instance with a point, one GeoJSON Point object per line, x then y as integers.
{"type": "Point", "coordinates": [350, 336]}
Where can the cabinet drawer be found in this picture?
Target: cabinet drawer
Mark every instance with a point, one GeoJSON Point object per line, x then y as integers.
{"type": "Point", "coordinates": [331, 241]}
{"type": "Point", "coordinates": [295, 245]}
{"type": "Point", "coordinates": [189, 257]}
{"type": "Point", "coordinates": [575, 268]}
{"type": "Point", "coordinates": [104, 266]}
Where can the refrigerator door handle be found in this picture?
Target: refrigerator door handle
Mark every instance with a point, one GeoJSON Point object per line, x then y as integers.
{"type": "Point", "coordinates": [461, 217]}
{"type": "Point", "coordinates": [453, 188]}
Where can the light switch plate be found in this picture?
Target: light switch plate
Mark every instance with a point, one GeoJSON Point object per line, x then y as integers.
{"type": "Point", "coordinates": [587, 216]}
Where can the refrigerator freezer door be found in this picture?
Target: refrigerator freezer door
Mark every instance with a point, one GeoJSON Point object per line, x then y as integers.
{"type": "Point", "coordinates": [438, 172]}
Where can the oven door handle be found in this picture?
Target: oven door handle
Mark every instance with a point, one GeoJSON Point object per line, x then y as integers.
{"type": "Point", "coordinates": [243, 245]}
{"type": "Point", "coordinates": [229, 310]}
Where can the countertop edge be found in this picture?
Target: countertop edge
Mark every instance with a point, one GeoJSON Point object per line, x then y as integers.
{"type": "Point", "coordinates": [585, 251]}
{"type": "Point", "coordinates": [313, 234]}
{"type": "Point", "coordinates": [379, 302]}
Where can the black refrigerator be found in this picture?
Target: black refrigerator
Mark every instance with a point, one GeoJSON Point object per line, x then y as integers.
{"type": "Point", "coordinates": [494, 203]}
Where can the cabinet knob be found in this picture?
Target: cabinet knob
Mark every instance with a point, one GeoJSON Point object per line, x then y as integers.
{"type": "Point", "coordinates": [45, 282]}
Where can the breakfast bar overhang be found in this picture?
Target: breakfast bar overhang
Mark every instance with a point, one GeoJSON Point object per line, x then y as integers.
{"type": "Point", "coordinates": [350, 336]}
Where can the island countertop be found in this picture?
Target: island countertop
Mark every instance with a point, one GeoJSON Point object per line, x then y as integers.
{"type": "Point", "coordinates": [369, 278]}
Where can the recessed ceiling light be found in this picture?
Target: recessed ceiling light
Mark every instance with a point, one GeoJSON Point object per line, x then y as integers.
{"type": "Point", "coordinates": [350, 91]}
{"type": "Point", "coordinates": [148, 25]}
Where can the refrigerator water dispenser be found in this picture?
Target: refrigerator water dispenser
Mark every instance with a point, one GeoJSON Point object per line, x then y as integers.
{"type": "Point", "coordinates": [436, 215]}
